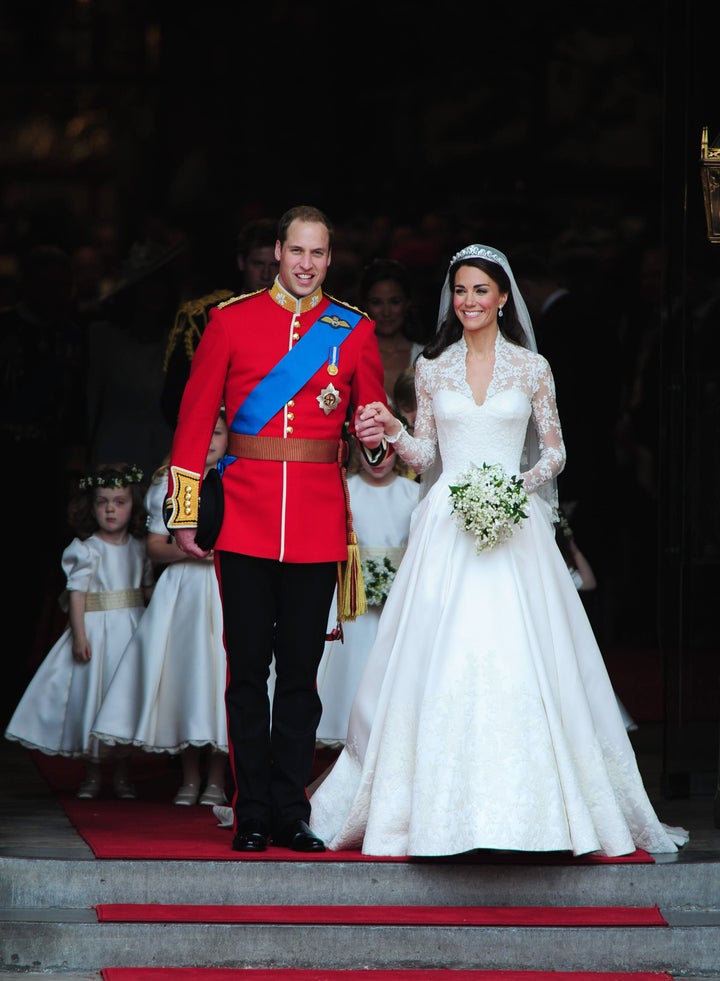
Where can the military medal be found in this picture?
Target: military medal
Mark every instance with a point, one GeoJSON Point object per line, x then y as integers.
{"type": "Point", "coordinates": [333, 358]}
{"type": "Point", "coordinates": [329, 398]}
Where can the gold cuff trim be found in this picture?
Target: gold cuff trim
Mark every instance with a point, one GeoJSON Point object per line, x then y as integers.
{"type": "Point", "coordinates": [183, 504]}
{"type": "Point", "coordinates": [114, 599]}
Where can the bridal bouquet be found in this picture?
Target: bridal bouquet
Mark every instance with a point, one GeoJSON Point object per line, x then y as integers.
{"type": "Point", "coordinates": [488, 503]}
{"type": "Point", "coordinates": [378, 577]}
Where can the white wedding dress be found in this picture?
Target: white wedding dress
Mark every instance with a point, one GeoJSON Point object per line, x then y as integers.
{"type": "Point", "coordinates": [485, 718]}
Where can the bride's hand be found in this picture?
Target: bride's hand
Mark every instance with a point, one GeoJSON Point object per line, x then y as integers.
{"type": "Point", "coordinates": [373, 421]}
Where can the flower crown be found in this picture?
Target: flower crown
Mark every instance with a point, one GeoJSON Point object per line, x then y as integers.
{"type": "Point", "coordinates": [112, 478]}
{"type": "Point", "coordinates": [565, 526]}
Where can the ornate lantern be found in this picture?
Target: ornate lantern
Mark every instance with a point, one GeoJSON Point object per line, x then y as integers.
{"type": "Point", "coordinates": [710, 176]}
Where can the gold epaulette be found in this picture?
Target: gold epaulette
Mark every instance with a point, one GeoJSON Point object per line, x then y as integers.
{"type": "Point", "coordinates": [240, 296]}
{"type": "Point", "coordinates": [344, 303]}
{"type": "Point", "coordinates": [183, 503]}
{"type": "Point", "coordinates": [201, 304]}
{"type": "Point", "coordinates": [190, 322]}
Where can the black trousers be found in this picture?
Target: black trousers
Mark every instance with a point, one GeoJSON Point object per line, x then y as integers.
{"type": "Point", "coordinates": [279, 608]}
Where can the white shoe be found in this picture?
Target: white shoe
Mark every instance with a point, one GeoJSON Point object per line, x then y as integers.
{"type": "Point", "coordinates": [89, 789]}
{"type": "Point", "coordinates": [224, 815]}
{"type": "Point", "coordinates": [124, 790]}
{"type": "Point", "coordinates": [187, 795]}
{"type": "Point", "coordinates": [213, 794]}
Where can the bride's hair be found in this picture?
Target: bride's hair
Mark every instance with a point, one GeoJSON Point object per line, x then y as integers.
{"type": "Point", "coordinates": [450, 330]}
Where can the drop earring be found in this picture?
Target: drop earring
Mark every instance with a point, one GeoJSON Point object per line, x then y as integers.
{"type": "Point", "coordinates": [500, 313]}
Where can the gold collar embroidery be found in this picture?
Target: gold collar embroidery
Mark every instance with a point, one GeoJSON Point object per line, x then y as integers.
{"type": "Point", "coordinates": [292, 303]}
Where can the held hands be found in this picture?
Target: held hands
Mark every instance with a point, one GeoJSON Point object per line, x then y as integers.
{"type": "Point", "coordinates": [373, 421]}
{"type": "Point", "coordinates": [185, 540]}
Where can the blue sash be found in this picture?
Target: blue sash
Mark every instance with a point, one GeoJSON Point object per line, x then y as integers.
{"type": "Point", "coordinates": [292, 371]}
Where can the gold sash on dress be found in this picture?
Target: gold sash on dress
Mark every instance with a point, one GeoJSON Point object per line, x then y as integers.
{"type": "Point", "coordinates": [114, 599]}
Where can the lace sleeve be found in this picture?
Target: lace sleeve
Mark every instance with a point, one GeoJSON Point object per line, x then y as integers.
{"type": "Point", "coordinates": [551, 448]}
{"type": "Point", "coordinates": [419, 450]}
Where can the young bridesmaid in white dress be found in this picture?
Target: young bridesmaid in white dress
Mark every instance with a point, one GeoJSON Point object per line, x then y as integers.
{"type": "Point", "coordinates": [168, 693]}
{"type": "Point", "coordinates": [109, 581]}
{"type": "Point", "coordinates": [382, 499]}
{"type": "Point", "coordinates": [485, 718]}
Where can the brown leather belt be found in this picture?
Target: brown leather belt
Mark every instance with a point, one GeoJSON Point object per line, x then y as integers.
{"type": "Point", "coordinates": [277, 448]}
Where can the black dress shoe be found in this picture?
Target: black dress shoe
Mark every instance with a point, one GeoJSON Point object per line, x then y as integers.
{"type": "Point", "coordinates": [297, 836]}
{"type": "Point", "coordinates": [251, 836]}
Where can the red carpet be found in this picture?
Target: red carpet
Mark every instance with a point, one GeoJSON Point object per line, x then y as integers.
{"type": "Point", "coordinates": [152, 827]}
{"type": "Point", "coordinates": [551, 916]}
{"type": "Point", "coordinates": [288, 974]}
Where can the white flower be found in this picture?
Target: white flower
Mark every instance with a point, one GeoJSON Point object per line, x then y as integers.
{"type": "Point", "coordinates": [378, 578]}
{"type": "Point", "coordinates": [112, 478]}
{"type": "Point", "coordinates": [487, 502]}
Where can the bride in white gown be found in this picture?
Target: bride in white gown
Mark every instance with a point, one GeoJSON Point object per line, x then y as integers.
{"type": "Point", "coordinates": [485, 718]}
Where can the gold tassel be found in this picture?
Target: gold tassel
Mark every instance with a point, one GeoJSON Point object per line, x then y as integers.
{"type": "Point", "coordinates": [351, 587]}
{"type": "Point", "coordinates": [351, 601]}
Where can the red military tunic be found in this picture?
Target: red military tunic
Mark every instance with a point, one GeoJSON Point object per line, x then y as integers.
{"type": "Point", "coordinates": [289, 511]}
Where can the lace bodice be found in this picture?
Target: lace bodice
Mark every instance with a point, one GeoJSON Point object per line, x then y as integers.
{"type": "Point", "coordinates": [449, 418]}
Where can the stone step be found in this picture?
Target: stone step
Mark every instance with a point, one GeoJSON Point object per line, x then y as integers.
{"type": "Point", "coordinates": [64, 935]}
{"type": "Point", "coordinates": [688, 884]}
{"type": "Point", "coordinates": [72, 940]}
{"type": "Point", "coordinates": [288, 976]}
{"type": "Point", "coordinates": [50, 883]}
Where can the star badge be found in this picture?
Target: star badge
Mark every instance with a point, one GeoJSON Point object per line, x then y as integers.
{"type": "Point", "coordinates": [329, 399]}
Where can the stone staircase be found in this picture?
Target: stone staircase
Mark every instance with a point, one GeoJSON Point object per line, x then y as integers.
{"type": "Point", "coordinates": [50, 884]}
{"type": "Point", "coordinates": [48, 925]}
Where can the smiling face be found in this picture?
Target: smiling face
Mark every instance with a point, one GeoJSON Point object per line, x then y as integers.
{"type": "Point", "coordinates": [304, 257]}
{"type": "Point", "coordinates": [476, 298]}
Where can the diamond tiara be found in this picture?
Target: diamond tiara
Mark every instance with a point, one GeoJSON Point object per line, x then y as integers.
{"type": "Point", "coordinates": [478, 252]}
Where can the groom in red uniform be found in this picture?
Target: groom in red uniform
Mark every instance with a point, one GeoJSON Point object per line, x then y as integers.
{"type": "Point", "coordinates": [290, 364]}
